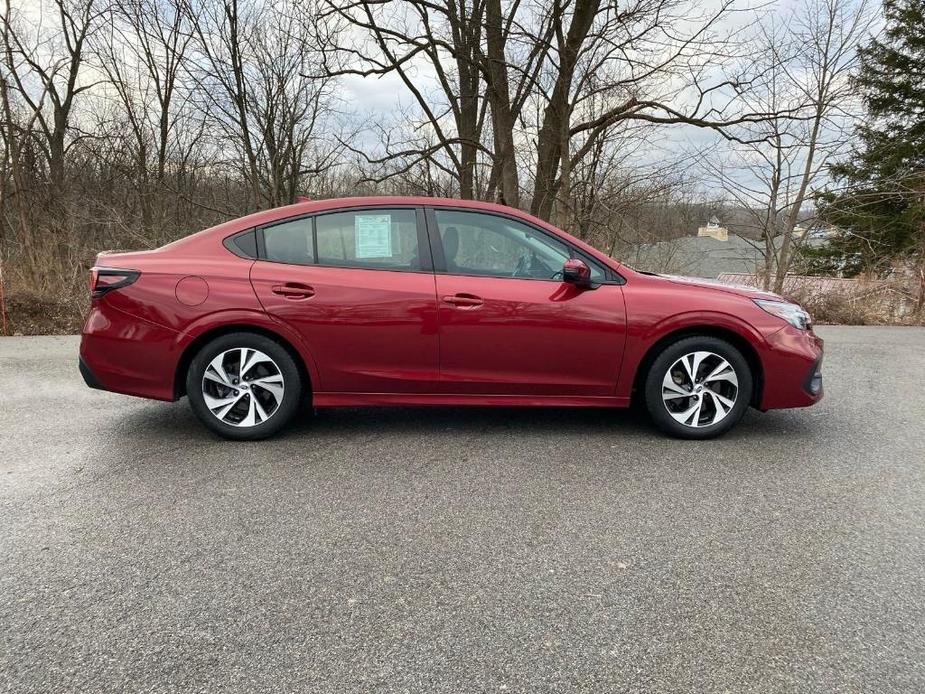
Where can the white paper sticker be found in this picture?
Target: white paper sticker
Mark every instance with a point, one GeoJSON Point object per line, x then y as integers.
{"type": "Point", "coordinates": [373, 235]}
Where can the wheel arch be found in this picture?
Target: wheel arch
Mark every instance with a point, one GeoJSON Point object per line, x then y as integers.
{"type": "Point", "coordinates": [191, 349]}
{"type": "Point", "coordinates": [734, 338]}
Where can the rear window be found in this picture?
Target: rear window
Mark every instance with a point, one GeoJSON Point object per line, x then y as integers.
{"type": "Point", "coordinates": [290, 242]}
{"type": "Point", "coordinates": [385, 239]}
{"type": "Point", "coordinates": [244, 244]}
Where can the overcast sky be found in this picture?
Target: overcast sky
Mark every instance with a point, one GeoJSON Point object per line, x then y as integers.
{"type": "Point", "coordinates": [379, 100]}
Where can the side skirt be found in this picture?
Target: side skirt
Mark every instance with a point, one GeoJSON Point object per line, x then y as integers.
{"type": "Point", "coordinates": [379, 399]}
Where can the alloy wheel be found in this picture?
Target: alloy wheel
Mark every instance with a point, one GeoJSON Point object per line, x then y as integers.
{"type": "Point", "coordinates": [243, 387]}
{"type": "Point", "coordinates": [700, 389]}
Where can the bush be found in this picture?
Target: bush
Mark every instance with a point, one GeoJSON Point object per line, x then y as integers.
{"type": "Point", "coordinates": [884, 307]}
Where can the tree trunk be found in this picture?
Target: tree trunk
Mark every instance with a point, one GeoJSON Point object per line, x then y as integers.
{"type": "Point", "coordinates": [162, 142]}
{"type": "Point", "coordinates": [770, 221]}
{"type": "Point", "coordinates": [499, 96]}
{"type": "Point", "coordinates": [16, 172]}
{"type": "Point", "coordinates": [240, 100]}
{"type": "Point", "coordinates": [783, 263]}
{"type": "Point", "coordinates": [468, 34]}
{"type": "Point", "coordinates": [556, 115]}
{"type": "Point", "coordinates": [56, 152]}
{"type": "Point", "coordinates": [920, 300]}
{"type": "Point", "coordinates": [564, 216]}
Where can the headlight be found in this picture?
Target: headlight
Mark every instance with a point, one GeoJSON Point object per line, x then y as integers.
{"type": "Point", "coordinates": [792, 313]}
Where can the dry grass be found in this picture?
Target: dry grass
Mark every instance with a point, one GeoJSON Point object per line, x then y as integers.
{"type": "Point", "coordinates": [33, 314]}
{"type": "Point", "coordinates": [889, 308]}
{"type": "Point", "coordinates": [46, 266]}
{"type": "Point", "coordinates": [52, 301]}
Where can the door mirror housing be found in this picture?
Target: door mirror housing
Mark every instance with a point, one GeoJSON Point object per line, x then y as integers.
{"type": "Point", "coordinates": [576, 271]}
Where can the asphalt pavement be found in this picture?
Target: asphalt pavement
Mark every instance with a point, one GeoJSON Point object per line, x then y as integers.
{"type": "Point", "coordinates": [464, 550]}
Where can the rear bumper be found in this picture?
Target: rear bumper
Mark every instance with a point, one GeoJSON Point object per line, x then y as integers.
{"type": "Point", "coordinates": [125, 354]}
{"type": "Point", "coordinates": [89, 377]}
{"type": "Point", "coordinates": [792, 369]}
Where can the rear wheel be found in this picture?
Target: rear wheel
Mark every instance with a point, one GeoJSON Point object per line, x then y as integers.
{"type": "Point", "coordinates": [244, 386]}
{"type": "Point", "coordinates": [698, 388]}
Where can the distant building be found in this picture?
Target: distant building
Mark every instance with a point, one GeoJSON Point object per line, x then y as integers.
{"type": "Point", "coordinates": [714, 230]}
{"type": "Point", "coordinates": [820, 232]}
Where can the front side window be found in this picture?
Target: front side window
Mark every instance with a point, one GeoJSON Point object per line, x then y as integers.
{"type": "Point", "coordinates": [494, 246]}
{"type": "Point", "coordinates": [384, 239]}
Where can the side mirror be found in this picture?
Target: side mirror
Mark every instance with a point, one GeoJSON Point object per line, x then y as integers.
{"type": "Point", "coordinates": [576, 271]}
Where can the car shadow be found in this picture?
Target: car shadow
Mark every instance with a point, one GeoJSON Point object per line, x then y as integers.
{"type": "Point", "coordinates": [176, 421]}
{"type": "Point", "coordinates": [472, 420]}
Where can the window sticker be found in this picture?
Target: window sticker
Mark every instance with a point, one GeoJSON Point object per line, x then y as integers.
{"type": "Point", "coordinates": [373, 235]}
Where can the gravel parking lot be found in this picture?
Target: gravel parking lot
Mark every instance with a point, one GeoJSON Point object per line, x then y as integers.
{"type": "Point", "coordinates": [464, 550]}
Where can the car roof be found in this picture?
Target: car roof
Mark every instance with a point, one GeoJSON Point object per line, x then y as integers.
{"type": "Point", "coordinates": [323, 205]}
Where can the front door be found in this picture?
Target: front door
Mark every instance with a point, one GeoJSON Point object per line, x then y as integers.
{"type": "Point", "coordinates": [509, 325]}
{"type": "Point", "coordinates": [358, 286]}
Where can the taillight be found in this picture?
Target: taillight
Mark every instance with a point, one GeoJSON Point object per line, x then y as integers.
{"type": "Point", "coordinates": [104, 279]}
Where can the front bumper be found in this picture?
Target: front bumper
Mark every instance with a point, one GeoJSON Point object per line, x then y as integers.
{"type": "Point", "coordinates": [813, 383]}
{"type": "Point", "coordinates": [792, 369]}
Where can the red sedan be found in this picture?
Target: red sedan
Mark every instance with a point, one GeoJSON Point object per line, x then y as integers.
{"type": "Point", "coordinates": [421, 301]}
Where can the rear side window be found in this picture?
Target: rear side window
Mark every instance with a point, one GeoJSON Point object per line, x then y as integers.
{"type": "Point", "coordinates": [243, 244]}
{"type": "Point", "coordinates": [290, 242]}
{"type": "Point", "coordinates": [385, 239]}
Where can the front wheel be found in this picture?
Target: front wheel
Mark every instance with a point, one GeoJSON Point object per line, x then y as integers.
{"type": "Point", "coordinates": [698, 388]}
{"type": "Point", "coordinates": [244, 386]}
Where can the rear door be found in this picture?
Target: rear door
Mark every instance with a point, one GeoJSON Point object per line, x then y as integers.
{"type": "Point", "coordinates": [509, 325]}
{"type": "Point", "coordinates": [358, 286]}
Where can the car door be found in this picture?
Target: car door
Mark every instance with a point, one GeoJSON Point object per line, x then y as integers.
{"type": "Point", "coordinates": [509, 325]}
{"type": "Point", "coordinates": [358, 286]}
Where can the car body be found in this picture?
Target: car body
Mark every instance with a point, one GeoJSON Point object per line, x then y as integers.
{"type": "Point", "coordinates": [425, 301]}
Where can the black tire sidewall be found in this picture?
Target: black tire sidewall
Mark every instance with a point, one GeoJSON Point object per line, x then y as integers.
{"type": "Point", "coordinates": [673, 352]}
{"type": "Point", "coordinates": [292, 378]}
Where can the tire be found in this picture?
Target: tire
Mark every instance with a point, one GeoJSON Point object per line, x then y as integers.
{"type": "Point", "coordinates": [714, 388]}
{"type": "Point", "coordinates": [244, 406]}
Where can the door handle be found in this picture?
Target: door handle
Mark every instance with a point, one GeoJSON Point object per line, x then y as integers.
{"type": "Point", "coordinates": [294, 290]}
{"type": "Point", "coordinates": [464, 300]}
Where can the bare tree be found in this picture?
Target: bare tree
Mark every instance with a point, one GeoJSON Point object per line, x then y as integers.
{"type": "Point", "coordinates": [805, 64]}
{"type": "Point", "coordinates": [405, 38]}
{"type": "Point", "coordinates": [556, 78]}
{"type": "Point", "coordinates": [143, 54]}
{"type": "Point", "coordinates": [256, 85]}
{"type": "Point", "coordinates": [660, 62]}
{"type": "Point", "coordinates": [49, 62]}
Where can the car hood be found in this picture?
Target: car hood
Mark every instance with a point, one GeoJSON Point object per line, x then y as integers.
{"type": "Point", "coordinates": [737, 289]}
